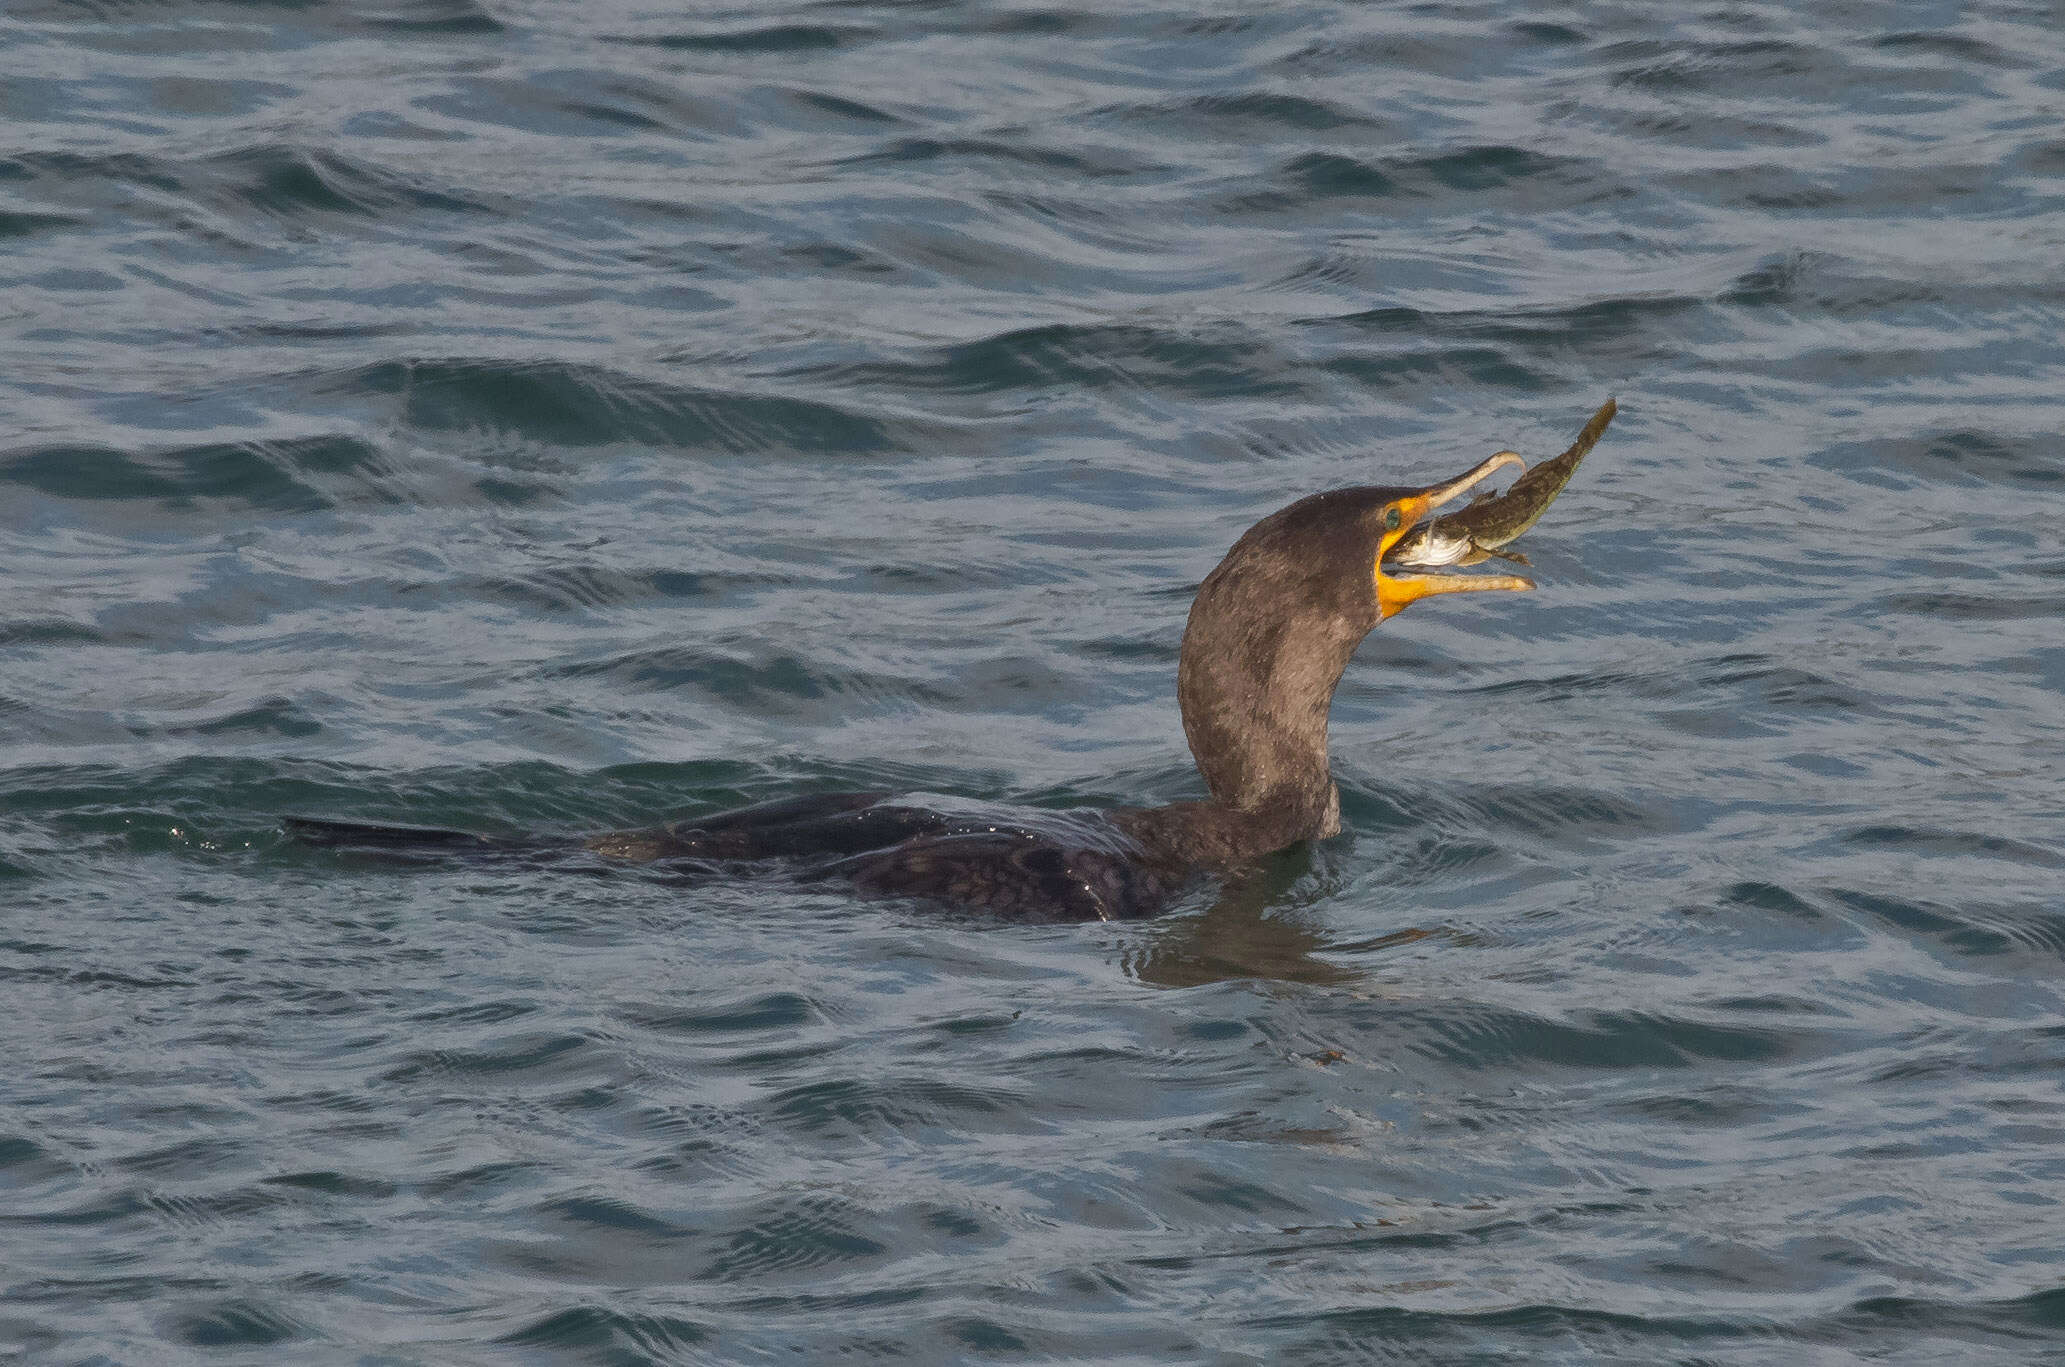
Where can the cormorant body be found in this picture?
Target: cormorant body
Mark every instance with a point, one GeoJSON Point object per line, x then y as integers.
{"type": "Point", "coordinates": [1270, 634]}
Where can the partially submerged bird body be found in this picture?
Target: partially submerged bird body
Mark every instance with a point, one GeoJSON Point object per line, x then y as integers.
{"type": "Point", "coordinates": [1270, 634]}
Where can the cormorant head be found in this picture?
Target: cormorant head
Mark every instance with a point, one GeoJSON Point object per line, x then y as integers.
{"type": "Point", "coordinates": [1274, 625]}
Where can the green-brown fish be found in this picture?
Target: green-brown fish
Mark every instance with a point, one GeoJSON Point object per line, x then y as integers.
{"type": "Point", "coordinates": [1470, 535]}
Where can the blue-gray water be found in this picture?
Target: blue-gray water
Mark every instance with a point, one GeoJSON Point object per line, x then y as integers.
{"type": "Point", "coordinates": [556, 416]}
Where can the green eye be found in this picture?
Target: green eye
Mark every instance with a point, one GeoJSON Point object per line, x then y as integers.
{"type": "Point", "coordinates": [1392, 517]}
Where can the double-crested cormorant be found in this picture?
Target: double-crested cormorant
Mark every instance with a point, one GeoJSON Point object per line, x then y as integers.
{"type": "Point", "coordinates": [1270, 633]}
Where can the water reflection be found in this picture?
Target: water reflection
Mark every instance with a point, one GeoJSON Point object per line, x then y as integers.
{"type": "Point", "coordinates": [1243, 934]}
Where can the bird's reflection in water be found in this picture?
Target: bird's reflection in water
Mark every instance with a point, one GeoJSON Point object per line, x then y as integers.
{"type": "Point", "coordinates": [1239, 937]}
{"type": "Point", "coordinates": [1247, 933]}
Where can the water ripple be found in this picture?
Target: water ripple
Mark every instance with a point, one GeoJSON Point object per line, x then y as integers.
{"type": "Point", "coordinates": [531, 419]}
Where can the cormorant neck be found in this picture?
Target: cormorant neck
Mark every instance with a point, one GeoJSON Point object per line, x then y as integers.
{"type": "Point", "coordinates": [1269, 636]}
{"type": "Point", "coordinates": [1255, 713]}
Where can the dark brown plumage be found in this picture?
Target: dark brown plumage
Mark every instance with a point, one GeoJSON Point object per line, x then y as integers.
{"type": "Point", "coordinates": [1270, 633]}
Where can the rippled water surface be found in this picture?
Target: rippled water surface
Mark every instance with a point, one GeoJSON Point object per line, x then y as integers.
{"type": "Point", "coordinates": [530, 416]}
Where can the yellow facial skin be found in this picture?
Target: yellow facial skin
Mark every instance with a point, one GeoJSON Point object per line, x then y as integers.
{"type": "Point", "coordinates": [1396, 592]}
